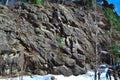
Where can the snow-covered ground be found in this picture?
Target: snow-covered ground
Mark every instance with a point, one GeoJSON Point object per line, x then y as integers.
{"type": "Point", "coordinates": [88, 76]}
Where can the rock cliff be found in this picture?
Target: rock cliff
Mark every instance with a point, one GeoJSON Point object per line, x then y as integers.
{"type": "Point", "coordinates": [57, 39]}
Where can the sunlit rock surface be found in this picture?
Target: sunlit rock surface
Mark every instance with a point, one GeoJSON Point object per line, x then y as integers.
{"type": "Point", "coordinates": [57, 39]}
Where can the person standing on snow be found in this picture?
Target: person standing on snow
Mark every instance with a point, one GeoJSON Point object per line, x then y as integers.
{"type": "Point", "coordinates": [99, 75]}
{"type": "Point", "coordinates": [108, 74]}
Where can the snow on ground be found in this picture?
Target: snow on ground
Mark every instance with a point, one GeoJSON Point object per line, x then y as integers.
{"type": "Point", "coordinates": [88, 76]}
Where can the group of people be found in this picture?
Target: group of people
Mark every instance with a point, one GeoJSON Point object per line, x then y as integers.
{"type": "Point", "coordinates": [108, 74]}
{"type": "Point", "coordinates": [111, 72]}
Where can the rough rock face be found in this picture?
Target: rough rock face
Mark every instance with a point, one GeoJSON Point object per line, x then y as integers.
{"type": "Point", "coordinates": [57, 40]}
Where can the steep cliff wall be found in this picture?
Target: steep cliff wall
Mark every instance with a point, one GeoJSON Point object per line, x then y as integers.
{"type": "Point", "coordinates": [57, 39]}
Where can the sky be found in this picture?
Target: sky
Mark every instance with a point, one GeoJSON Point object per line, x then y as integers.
{"type": "Point", "coordinates": [116, 4]}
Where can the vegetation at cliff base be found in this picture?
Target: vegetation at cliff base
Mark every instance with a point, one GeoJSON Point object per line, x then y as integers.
{"type": "Point", "coordinates": [115, 49]}
{"type": "Point", "coordinates": [113, 19]}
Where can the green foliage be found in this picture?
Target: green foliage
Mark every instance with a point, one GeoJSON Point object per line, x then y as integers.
{"type": "Point", "coordinates": [59, 40]}
{"type": "Point", "coordinates": [43, 2]}
{"type": "Point", "coordinates": [115, 49]}
{"type": "Point", "coordinates": [25, 0]}
{"type": "Point", "coordinates": [38, 1]}
{"type": "Point", "coordinates": [113, 18]}
{"type": "Point", "coordinates": [90, 3]}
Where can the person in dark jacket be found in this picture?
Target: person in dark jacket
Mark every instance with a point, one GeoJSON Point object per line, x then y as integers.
{"type": "Point", "coordinates": [3, 2]}
{"type": "Point", "coordinates": [62, 1]}
{"type": "Point", "coordinates": [119, 74]}
{"type": "Point", "coordinates": [99, 75]}
{"type": "Point", "coordinates": [115, 74]}
{"type": "Point", "coordinates": [108, 74]}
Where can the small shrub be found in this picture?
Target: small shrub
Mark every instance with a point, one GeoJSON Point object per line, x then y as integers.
{"type": "Point", "coordinates": [59, 40]}
{"type": "Point", "coordinates": [115, 49]}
